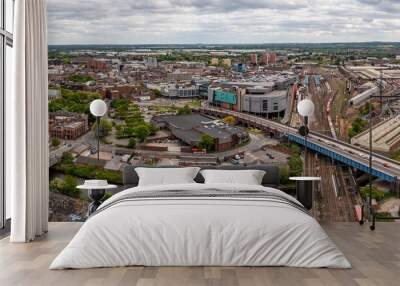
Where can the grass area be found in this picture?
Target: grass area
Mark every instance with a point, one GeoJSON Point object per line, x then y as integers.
{"type": "Point", "coordinates": [159, 109]}
{"type": "Point", "coordinates": [195, 103]}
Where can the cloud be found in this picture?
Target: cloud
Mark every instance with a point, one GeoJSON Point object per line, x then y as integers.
{"type": "Point", "coordinates": [221, 21]}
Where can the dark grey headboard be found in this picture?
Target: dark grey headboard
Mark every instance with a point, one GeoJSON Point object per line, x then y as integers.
{"type": "Point", "coordinates": [271, 178]}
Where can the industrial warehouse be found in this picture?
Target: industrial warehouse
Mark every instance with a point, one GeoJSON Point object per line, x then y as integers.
{"type": "Point", "coordinates": [385, 136]}
{"type": "Point", "coordinates": [191, 128]}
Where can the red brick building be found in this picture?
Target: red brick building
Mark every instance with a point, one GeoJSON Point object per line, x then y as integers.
{"type": "Point", "coordinates": [269, 59]}
{"type": "Point", "coordinates": [65, 125]}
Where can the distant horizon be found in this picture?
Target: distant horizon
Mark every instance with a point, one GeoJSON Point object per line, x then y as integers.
{"type": "Point", "coordinates": [232, 44]}
{"type": "Point", "coordinates": [221, 21]}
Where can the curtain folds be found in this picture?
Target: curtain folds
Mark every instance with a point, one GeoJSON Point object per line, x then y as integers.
{"type": "Point", "coordinates": [27, 124]}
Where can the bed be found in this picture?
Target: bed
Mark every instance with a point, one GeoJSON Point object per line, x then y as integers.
{"type": "Point", "coordinates": [201, 224]}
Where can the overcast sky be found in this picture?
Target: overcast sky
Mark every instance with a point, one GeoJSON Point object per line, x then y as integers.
{"type": "Point", "coordinates": [221, 21]}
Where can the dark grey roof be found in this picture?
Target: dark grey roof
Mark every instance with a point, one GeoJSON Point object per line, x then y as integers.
{"type": "Point", "coordinates": [190, 128]}
{"type": "Point", "coordinates": [183, 121]}
{"type": "Point", "coordinates": [191, 137]}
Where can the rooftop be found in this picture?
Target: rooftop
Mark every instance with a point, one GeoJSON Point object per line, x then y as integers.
{"type": "Point", "coordinates": [385, 136]}
{"type": "Point", "coordinates": [375, 258]}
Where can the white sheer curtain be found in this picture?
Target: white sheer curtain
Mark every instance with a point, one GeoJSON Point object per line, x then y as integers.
{"type": "Point", "coordinates": [27, 124]}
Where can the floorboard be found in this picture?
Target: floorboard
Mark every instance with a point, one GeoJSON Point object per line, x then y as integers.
{"type": "Point", "coordinates": [375, 257]}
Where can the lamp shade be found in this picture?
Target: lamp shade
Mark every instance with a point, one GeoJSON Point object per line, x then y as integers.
{"type": "Point", "coordinates": [98, 107]}
{"type": "Point", "coordinates": [305, 107]}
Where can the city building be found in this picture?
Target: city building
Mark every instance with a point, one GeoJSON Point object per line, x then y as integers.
{"type": "Point", "coordinates": [264, 98]}
{"type": "Point", "coordinates": [253, 59]}
{"type": "Point", "coordinates": [151, 62]}
{"type": "Point", "coordinates": [269, 58]}
{"type": "Point", "coordinates": [54, 93]}
{"type": "Point", "coordinates": [180, 90]}
{"type": "Point", "coordinates": [227, 62]}
{"type": "Point", "coordinates": [98, 65]}
{"type": "Point", "coordinates": [190, 129]}
{"type": "Point", "coordinates": [179, 75]}
{"type": "Point", "coordinates": [214, 61]}
{"type": "Point", "coordinates": [239, 67]}
{"type": "Point", "coordinates": [67, 125]}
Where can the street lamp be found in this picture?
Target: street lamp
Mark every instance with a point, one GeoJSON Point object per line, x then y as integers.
{"type": "Point", "coordinates": [305, 108]}
{"type": "Point", "coordinates": [98, 108]}
{"type": "Point", "coordinates": [371, 212]}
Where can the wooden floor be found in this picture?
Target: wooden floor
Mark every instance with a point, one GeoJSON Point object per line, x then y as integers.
{"type": "Point", "coordinates": [375, 257]}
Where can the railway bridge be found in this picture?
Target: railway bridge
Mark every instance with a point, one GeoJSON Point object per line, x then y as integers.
{"type": "Point", "coordinates": [356, 157]}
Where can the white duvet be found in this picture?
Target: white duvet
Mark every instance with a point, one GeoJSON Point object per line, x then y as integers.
{"type": "Point", "coordinates": [200, 232]}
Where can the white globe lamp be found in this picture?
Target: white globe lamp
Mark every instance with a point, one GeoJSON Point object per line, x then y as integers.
{"type": "Point", "coordinates": [305, 107]}
{"type": "Point", "coordinates": [98, 107]}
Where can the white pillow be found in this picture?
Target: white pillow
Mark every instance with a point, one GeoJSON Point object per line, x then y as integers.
{"type": "Point", "coordinates": [166, 176]}
{"type": "Point", "coordinates": [246, 177]}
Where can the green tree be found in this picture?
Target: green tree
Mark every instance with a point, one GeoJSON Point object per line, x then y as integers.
{"type": "Point", "coordinates": [55, 142]}
{"type": "Point", "coordinates": [357, 127]}
{"type": "Point", "coordinates": [105, 127]}
{"type": "Point", "coordinates": [56, 105]}
{"type": "Point", "coordinates": [284, 174]}
{"type": "Point", "coordinates": [157, 93]}
{"type": "Point", "coordinates": [365, 109]}
{"type": "Point", "coordinates": [207, 143]}
{"type": "Point", "coordinates": [229, 120]}
{"type": "Point", "coordinates": [131, 143]}
{"type": "Point", "coordinates": [184, 110]}
{"type": "Point", "coordinates": [73, 101]}
{"type": "Point", "coordinates": [376, 193]}
{"type": "Point", "coordinates": [295, 166]}
{"type": "Point", "coordinates": [80, 78]}
{"type": "Point", "coordinates": [66, 186]}
{"type": "Point", "coordinates": [70, 186]}
{"type": "Point", "coordinates": [67, 158]}
{"type": "Point", "coordinates": [142, 131]}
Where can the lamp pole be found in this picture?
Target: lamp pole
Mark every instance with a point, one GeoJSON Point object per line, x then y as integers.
{"type": "Point", "coordinates": [305, 144]}
{"type": "Point", "coordinates": [370, 162]}
{"type": "Point", "coordinates": [371, 211]}
{"type": "Point", "coordinates": [98, 136]}
{"type": "Point", "coordinates": [98, 108]}
{"type": "Point", "coordinates": [305, 108]}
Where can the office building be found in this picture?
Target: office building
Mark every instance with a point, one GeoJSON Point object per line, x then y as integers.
{"type": "Point", "coordinates": [240, 67]}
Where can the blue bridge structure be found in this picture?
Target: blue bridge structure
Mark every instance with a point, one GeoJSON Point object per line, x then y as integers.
{"type": "Point", "coordinates": [342, 158]}
{"type": "Point", "coordinates": [350, 155]}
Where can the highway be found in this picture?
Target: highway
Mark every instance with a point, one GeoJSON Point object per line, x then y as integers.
{"type": "Point", "coordinates": [357, 154]}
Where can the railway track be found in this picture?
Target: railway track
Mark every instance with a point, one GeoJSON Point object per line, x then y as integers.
{"type": "Point", "coordinates": [329, 205]}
